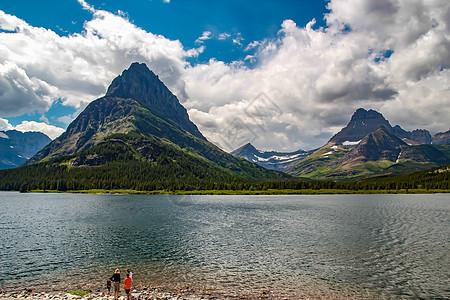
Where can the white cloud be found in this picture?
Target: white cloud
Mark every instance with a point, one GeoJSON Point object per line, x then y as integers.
{"type": "Point", "coordinates": [224, 36]}
{"type": "Point", "coordinates": [195, 52]}
{"type": "Point", "coordinates": [206, 35]}
{"type": "Point", "coordinates": [50, 130]}
{"type": "Point", "coordinates": [253, 45]}
{"type": "Point", "coordinates": [238, 39]}
{"type": "Point", "coordinates": [19, 93]}
{"type": "Point", "coordinates": [4, 125]}
{"type": "Point", "coordinates": [166, 1]}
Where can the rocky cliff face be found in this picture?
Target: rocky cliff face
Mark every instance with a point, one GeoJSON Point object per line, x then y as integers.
{"type": "Point", "coordinates": [141, 84]}
{"type": "Point", "coordinates": [361, 124]}
{"type": "Point", "coordinates": [378, 145]}
{"type": "Point", "coordinates": [364, 122]}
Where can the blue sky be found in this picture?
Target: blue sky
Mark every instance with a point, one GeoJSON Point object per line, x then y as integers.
{"type": "Point", "coordinates": [308, 64]}
{"type": "Point", "coordinates": [180, 20]}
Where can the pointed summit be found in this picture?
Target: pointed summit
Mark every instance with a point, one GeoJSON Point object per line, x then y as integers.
{"type": "Point", "coordinates": [246, 150]}
{"type": "Point", "coordinates": [361, 124]}
{"type": "Point", "coordinates": [142, 85]}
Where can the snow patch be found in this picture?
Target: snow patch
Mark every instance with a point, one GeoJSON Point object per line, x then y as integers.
{"type": "Point", "coordinates": [261, 158]}
{"type": "Point", "coordinates": [3, 135]}
{"type": "Point", "coordinates": [276, 157]}
{"type": "Point", "coordinates": [349, 143]}
{"type": "Point", "coordinates": [328, 153]}
{"type": "Point", "coordinates": [334, 147]}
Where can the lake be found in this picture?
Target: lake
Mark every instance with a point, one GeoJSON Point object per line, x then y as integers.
{"type": "Point", "coordinates": [364, 246]}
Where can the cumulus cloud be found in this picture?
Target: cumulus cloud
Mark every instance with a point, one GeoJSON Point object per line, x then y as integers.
{"type": "Point", "coordinates": [4, 125]}
{"type": "Point", "coordinates": [50, 130]}
{"type": "Point", "coordinates": [19, 93]}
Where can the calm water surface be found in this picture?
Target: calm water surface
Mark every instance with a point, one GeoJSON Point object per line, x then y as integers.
{"type": "Point", "coordinates": [369, 246]}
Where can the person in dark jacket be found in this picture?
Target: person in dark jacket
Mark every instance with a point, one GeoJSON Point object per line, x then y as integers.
{"type": "Point", "coordinates": [115, 278]}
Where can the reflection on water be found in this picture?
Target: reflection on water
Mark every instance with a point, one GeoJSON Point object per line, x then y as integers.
{"type": "Point", "coordinates": [379, 246]}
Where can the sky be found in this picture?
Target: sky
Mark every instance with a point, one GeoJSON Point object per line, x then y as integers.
{"type": "Point", "coordinates": [283, 75]}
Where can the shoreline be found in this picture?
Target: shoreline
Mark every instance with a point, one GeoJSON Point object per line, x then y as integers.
{"type": "Point", "coordinates": [148, 292]}
{"type": "Point", "coordinates": [248, 192]}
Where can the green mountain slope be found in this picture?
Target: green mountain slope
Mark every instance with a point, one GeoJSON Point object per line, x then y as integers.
{"type": "Point", "coordinates": [378, 153]}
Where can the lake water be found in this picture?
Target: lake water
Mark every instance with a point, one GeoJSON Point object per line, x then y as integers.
{"type": "Point", "coordinates": [364, 246]}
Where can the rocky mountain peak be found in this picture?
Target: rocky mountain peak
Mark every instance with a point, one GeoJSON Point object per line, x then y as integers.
{"type": "Point", "coordinates": [138, 82]}
{"type": "Point", "coordinates": [361, 124]}
{"type": "Point", "coordinates": [245, 150]}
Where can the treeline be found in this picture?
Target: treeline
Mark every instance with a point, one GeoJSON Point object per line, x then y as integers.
{"type": "Point", "coordinates": [150, 177]}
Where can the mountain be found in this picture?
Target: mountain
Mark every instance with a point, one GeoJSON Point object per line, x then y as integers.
{"type": "Point", "coordinates": [442, 138]}
{"type": "Point", "coordinates": [16, 147]}
{"type": "Point", "coordinates": [136, 101]}
{"type": "Point", "coordinates": [378, 153]}
{"type": "Point", "coordinates": [364, 122]}
{"type": "Point", "coordinates": [141, 127]}
{"type": "Point", "coordinates": [273, 160]}
{"type": "Point", "coordinates": [141, 84]}
{"type": "Point", "coordinates": [378, 145]}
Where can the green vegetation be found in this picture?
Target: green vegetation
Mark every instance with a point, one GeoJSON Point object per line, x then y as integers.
{"type": "Point", "coordinates": [327, 164]}
{"type": "Point", "coordinates": [79, 292]}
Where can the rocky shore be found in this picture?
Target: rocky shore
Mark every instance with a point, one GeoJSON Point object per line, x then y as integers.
{"type": "Point", "coordinates": [140, 294]}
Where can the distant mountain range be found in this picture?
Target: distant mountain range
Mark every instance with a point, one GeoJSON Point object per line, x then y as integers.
{"type": "Point", "coordinates": [366, 147]}
{"type": "Point", "coordinates": [273, 160]}
{"type": "Point", "coordinates": [369, 146]}
{"type": "Point", "coordinates": [17, 147]}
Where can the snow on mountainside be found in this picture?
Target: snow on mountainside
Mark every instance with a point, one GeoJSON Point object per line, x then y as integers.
{"type": "Point", "coordinates": [273, 160]}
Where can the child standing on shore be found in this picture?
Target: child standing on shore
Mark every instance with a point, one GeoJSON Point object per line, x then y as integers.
{"type": "Point", "coordinates": [108, 286]}
{"type": "Point", "coordinates": [127, 282]}
{"type": "Point", "coordinates": [131, 275]}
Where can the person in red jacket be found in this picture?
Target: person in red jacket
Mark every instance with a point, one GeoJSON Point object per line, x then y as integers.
{"type": "Point", "coordinates": [127, 282]}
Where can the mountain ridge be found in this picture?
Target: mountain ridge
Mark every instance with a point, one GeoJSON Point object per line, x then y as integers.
{"type": "Point", "coordinates": [16, 147]}
{"type": "Point", "coordinates": [364, 122]}
{"type": "Point", "coordinates": [273, 160]}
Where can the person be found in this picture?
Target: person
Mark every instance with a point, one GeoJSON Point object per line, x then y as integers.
{"type": "Point", "coordinates": [108, 286]}
{"type": "Point", "coordinates": [131, 275]}
{"type": "Point", "coordinates": [127, 282]}
{"type": "Point", "coordinates": [115, 278]}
